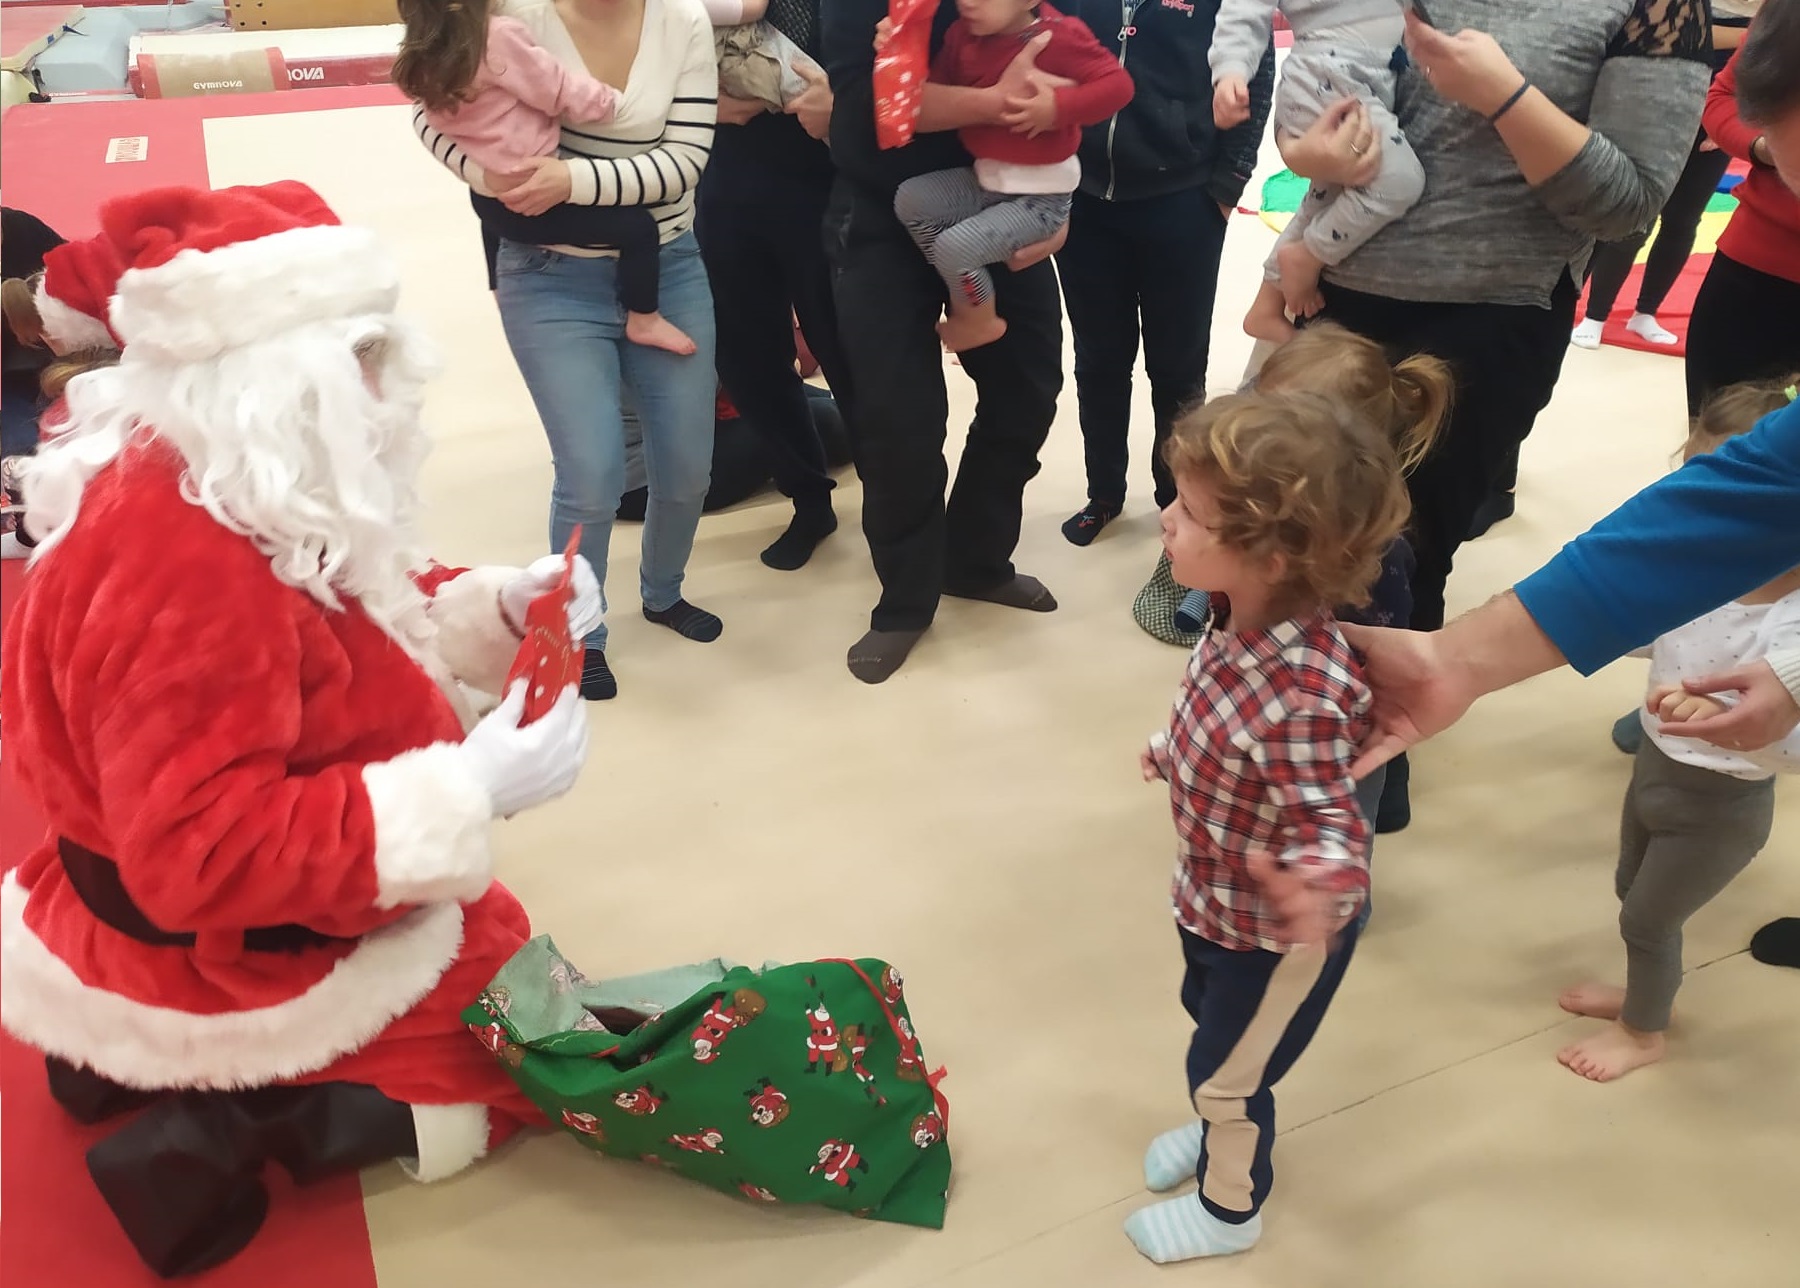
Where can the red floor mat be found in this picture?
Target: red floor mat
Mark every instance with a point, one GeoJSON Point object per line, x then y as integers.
{"type": "Point", "coordinates": [1676, 312]}
{"type": "Point", "coordinates": [54, 1229]}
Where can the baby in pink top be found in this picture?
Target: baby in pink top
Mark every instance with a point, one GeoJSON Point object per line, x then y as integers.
{"type": "Point", "coordinates": [484, 83]}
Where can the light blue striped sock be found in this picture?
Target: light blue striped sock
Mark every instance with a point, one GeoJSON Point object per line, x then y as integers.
{"type": "Point", "coordinates": [1173, 1156]}
{"type": "Point", "coordinates": [1182, 1230]}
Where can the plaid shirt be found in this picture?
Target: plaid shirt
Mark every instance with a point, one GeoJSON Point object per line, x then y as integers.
{"type": "Point", "coordinates": [1257, 757]}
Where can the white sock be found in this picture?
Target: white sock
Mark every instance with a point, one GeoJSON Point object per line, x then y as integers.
{"type": "Point", "coordinates": [1182, 1230]}
{"type": "Point", "coordinates": [1646, 325]}
{"type": "Point", "coordinates": [1587, 334]}
{"type": "Point", "coordinates": [1173, 1156]}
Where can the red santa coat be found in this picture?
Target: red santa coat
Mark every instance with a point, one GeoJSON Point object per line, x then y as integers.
{"type": "Point", "coordinates": [248, 758]}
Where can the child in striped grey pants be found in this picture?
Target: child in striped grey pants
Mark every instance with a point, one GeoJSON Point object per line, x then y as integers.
{"type": "Point", "coordinates": [1018, 191]}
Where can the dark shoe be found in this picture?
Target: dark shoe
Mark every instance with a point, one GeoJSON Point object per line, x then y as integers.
{"type": "Point", "coordinates": [328, 1128]}
{"type": "Point", "coordinates": [1394, 814]}
{"type": "Point", "coordinates": [598, 683]}
{"type": "Point", "coordinates": [184, 1181]}
{"type": "Point", "coordinates": [1628, 733]}
{"type": "Point", "coordinates": [90, 1098]}
{"type": "Point", "coordinates": [1496, 509]}
{"type": "Point", "coordinates": [1778, 943]}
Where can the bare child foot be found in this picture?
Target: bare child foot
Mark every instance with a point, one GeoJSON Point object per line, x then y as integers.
{"type": "Point", "coordinates": [1267, 318]}
{"type": "Point", "coordinates": [1612, 1053]}
{"type": "Point", "coordinates": [971, 328]}
{"type": "Point", "coordinates": [1300, 270]}
{"type": "Point", "coordinates": [1597, 1001]}
{"type": "Point", "coordinates": [657, 332]}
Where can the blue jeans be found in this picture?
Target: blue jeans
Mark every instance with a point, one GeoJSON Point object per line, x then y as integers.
{"type": "Point", "coordinates": [566, 329]}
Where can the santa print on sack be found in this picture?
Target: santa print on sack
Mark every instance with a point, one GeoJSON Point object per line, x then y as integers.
{"type": "Point", "coordinates": [836, 1161]}
{"type": "Point", "coordinates": [768, 1104]}
{"type": "Point", "coordinates": [824, 1045]}
{"type": "Point", "coordinates": [856, 1037]}
{"type": "Point", "coordinates": [927, 1130]}
{"type": "Point", "coordinates": [642, 1102]}
{"type": "Point", "coordinates": [709, 1140]}
{"type": "Point", "coordinates": [756, 1192]}
{"type": "Point", "coordinates": [721, 1020]}
{"type": "Point", "coordinates": [910, 1067]}
{"type": "Point", "coordinates": [586, 1124]}
{"type": "Point", "coordinates": [496, 1039]}
{"type": "Point", "coordinates": [892, 986]}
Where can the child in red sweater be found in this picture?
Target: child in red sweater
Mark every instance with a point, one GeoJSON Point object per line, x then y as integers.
{"type": "Point", "coordinates": [1018, 190]}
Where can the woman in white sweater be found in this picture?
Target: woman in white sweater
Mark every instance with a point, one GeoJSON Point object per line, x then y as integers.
{"type": "Point", "coordinates": [559, 302]}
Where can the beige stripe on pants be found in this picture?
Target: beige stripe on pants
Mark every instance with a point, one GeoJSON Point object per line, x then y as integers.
{"type": "Point", "coordinates": [1231, 1138]}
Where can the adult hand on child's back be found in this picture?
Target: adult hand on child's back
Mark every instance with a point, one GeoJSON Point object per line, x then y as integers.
{"type": "Point", "coordinates": [1468, 68]}
{"type": "Point", "coordinates": [1341, 147]}
{"type": "Point", "coordinates": [813, 105]}
{"type": "Point", "coordinates": [548, 187]}
{"type": "Point", "coordinates": [1022, 79]}
{"type": "Point", "coordinates": [1763, 715]}
{"type": "Point", "coordinates": [1033, 113]}
{"type": "Point", "coordinates": [739, 111]}
{"type": "Point", "coordinates": [1024, 257]}
{"type": "Point", "coordinates": [1231, 102]}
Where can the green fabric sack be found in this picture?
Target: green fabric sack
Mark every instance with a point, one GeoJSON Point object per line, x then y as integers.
{"type": "Point", "coordinates": [792, 1084]}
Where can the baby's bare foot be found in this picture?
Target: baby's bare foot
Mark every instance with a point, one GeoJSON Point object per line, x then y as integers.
{"type": "Point", "coordinates": [1597, 1001]}
{"type": "Point", "coordinates": [657, 332]}
{"type": "Point", "coordinates": [1300, 270]}
{"type": "Point", "coordinates": [1612, 1053]}
{"type": "Point", "coordinates": [961, 332]}
{"type": "Point", "coordinates": [1267, 318]}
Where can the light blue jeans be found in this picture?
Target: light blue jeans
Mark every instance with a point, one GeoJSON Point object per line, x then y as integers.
{"type": "Point", "coordinates": [566, 329]}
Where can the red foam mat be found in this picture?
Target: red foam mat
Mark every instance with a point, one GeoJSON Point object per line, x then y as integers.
{"type": "Point", "coordinates": [1676, 312]}
{"type": "Point", "coordinates": [54, 1229]}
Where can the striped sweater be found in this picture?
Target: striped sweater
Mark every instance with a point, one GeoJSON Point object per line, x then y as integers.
{"type": "Point", "coordinates": [653, 150]}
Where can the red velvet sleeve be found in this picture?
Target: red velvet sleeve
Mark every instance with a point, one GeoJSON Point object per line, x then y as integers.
{"type": "Point", "coordinates": [1721, 116]}
{"type": "Point", "coordinates": [1102, 85]}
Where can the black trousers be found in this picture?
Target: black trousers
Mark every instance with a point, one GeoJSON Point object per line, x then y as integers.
{"type": "Point", "coordinates": [1746, 326]}
{"type": "Point", "coordinates": [1506, 359]}
{"type": "Point", "coordinates": [762, 237]}
{"type": "Point", "coordinates": [1149, 266]}
{"type": "Point", "coordinates": [630, 229]}
{"type": "Point", "coordinates": [1612, 261]}
{"type": "Point", "coordinates": [889, 300]}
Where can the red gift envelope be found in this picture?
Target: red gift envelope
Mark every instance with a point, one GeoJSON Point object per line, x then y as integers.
{"type": "Point", "coordinates": [549, 660]}
{"type": "Point", "coordinates": [901, 70]}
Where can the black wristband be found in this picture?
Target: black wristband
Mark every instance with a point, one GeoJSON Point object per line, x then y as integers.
{"type": "Point", "coordinates": [1507, 106]}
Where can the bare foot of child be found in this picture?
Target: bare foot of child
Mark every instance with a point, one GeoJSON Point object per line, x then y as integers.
{"type": "Point", "coordinates": [657, 332]}
{"type": "Point", "coordinates": [1598, 1001]}
{"type": "Point", "coordinates": [1300, 270]}
{"type": "Point", "coordinates": [961, 332]}
{"type": "Point", "coordinates": [1267, 318]}
{"type": "Point", "coordinates": [1612, 1053]}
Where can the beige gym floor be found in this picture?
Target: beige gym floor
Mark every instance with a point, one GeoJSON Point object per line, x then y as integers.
{"type": "Point", "coordinates": [979, 821]}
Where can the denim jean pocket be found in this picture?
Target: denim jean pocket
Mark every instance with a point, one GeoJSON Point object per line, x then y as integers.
{"type": "Point", "coordinates": [516, 259]}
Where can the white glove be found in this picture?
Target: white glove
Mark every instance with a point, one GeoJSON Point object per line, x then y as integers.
{"type": "Point", "coordinates": [522, 767]}
{"type": "Point", "coordinates": [586, 608]}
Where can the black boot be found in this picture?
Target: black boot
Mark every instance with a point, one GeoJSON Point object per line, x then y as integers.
{"type": "Point", "coordinates": [185, 1182]}
{"type": "Point", "coordinates": [90, 1098]}
{"type": "Point", "coordinates": [330, 1128]}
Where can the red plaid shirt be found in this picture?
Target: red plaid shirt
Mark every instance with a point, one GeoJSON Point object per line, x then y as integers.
{"type": "Point", "coordinates": [1257, 757]}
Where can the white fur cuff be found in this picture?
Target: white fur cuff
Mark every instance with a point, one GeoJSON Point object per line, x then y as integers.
{"type": "Point", "coordinates": [72, 329]}
{"type": "Point", "coordinates": [472, 637]}
{"type": "Point", "coordinates": [431, 827]}
{"type": "Point", "coordinates": [450, 1137]}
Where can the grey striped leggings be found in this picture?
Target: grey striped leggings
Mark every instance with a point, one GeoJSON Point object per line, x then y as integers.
{"type": "Point", "coordinates": [962, 227]}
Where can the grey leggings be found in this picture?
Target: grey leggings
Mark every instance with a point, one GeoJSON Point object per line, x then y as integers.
{"type": "Point", "coordinates": [961, 227]}
{"type": "Point", "coordinates": [1686, 833]}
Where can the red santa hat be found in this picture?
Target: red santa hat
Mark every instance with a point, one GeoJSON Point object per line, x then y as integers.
{"type": "Point", "coordinates": [210, 271]}
{"type": "Point", "coordinates": [76, 292]}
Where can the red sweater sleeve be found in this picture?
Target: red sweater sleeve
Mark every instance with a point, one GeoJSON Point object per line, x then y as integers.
{"type": "Point", "coordinates": [1721, 117]}
{"type": "Point", "coordinates": [1102, 85]}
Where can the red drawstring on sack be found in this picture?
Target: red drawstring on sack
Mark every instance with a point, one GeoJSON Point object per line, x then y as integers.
{"type": "Point", "coordinates": [909, 1046]}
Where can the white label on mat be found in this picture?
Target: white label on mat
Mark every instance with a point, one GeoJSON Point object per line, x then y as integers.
{"type": "Point", "coordinates": [135, 148]}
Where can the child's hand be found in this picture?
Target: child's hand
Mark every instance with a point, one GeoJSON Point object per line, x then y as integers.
{"type": "Point", "coordinates": [1309, 914]}
{"type": "Point", "coordinates": [1231, 102]}
{"type": "Point", "coordinates": [1032, 113]}
{"type": "Point", "coordinates": [884, 32]}
{"type": "Point", "coordinates": [1674, 705]}
{"type": "Point", "coordinates": [1147, 763]}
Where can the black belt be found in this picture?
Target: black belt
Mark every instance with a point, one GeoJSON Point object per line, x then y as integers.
{"type": "Point", "coordinates": [96, 880]}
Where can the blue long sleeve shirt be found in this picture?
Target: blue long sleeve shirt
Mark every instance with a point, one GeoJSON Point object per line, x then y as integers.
{"type": "Point", "coordinates": [1722, 525]}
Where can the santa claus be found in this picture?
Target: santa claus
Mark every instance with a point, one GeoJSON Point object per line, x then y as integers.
{"type": "Point", "coordinates": [242, 699]}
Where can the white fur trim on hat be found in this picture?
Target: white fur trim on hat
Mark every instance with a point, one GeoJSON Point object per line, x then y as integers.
{"type": "Point", "coordinates": [71, 329]}
{"type": "Point", "coordinates": [472, 637]}
{"type": "Point", "coordinates": [139, 1045]}
{"type": "Point", "coordinates": [202, 303]}
{"type": "Point", "coordinates": [432, 819]}
{"type": "Point", "coordinates": [449, 1137]}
